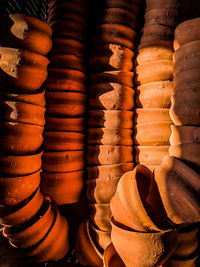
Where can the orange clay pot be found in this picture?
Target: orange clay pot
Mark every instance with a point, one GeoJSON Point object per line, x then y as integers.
{"type": "Point", "coordinates": [148, 249]}
{"type": "Point", "coordinates": [101, 238]}
{"type": "Point", "coordinates": [156, 32]}
{"type": "Point", "coordinates": [111, 258]}
{"type": "Point", "coordinates": [25, 237]}
{"type": "Point", "coordinates": [184, 135]}
{"type": "Point", "coordinates": [25, 32]}
{"type": "Point", "coordinates": [23, 213]}
{"type": "Point", "coordinates": [20, 138]}
{"type": "Point", "coordinates": [154, 95]}
{"type": "Point", "coordinates": [63, 188]}
{"type": "Point", "coordinates": [178, 185]}
{"type": "Point", "coordinates": [110, 119]}
{"type": "Point", "coordinates": [111, 57]}
{"type": "Point", "coordinates": [111, 96]}
{"type": "Point", "coordinates": [86, 251]}
{"type": "Point", "coordinates": [65, 103]}
{"type": "Point", "coordinates": [66, 80]}
{"type": "Point", "coordinates": [76, 6]}
{"type": "Point", "coordinates": [67, 61]}
{"type": "Point", "coordinates": [60, 141]}
{"type": "Point", "coordinates": [55, 244]}
{"type": "Point", "coordinates": [100, 216]}
{"type": "Point", "coordinates": [35, 99]}
{"type": "Point", "coordinates": [109, 136]}
{"type": "Point", "coordinates": [63, 161]}
{"type": "Point", "coordinates": [20, 165]}
{"type": "Point", "coordinates": [150, 155]}
{"type": "Point", "coordinates": [108, 154]}
{"type": "Point", "coordinates": [22, 112]}
{"type": "Point", "coordinates": [105, 172]}
{"type": "Point", "coordinates": [151, 115]}
{"type": "Point", "coordinates": [15, 190]}
{"type": "Point", "coordinates": [188, 262]}
{"type": "Point", "coordinates": [25, 71]}
{"type": "Point", "coordinates": [101, 191]}
{"type": "Point", "coordinates": [65, 124]}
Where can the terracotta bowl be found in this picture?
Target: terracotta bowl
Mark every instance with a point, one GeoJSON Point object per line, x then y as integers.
{"type": "Point", "coordinates": [60, 141]}
{"type": "Point", "coordinates": [63, 188]}
{"type": "Point", "coordinates": [140, 249]}
{"type": "Point", "coordinates": [179, 188]}
{"type": "Point", "coordinates": [65, 104]}
{"type": "Point", "coordinates": [23, 213]}
{"type": "Point", "coordinates": [111, 96]}
{"type": "Point", "coordinates": [100, 216]}
{"type": "Point", "coordinates": [178, 262]}
{"type": "Point", "coordinates": [122, 77]}
{"type": "Point", "coordinates": [23, 70]}
{"type": "Point", "coordinates": [101, 238]}
{"type": "Point", "coordinates": [184, 135]}
{"type": "Point", "coordinates": [108, 154]}
{"type": "Point", "coordinates": [156, 32]}
{"type": "Point", "coordinates": [65, 124]}
{"type": "Point", "coordinates": [151, 115]}
{"type": "Point", "coordinates": [86, 251]}
{"type": "Point", "coordinates": [110, 119]}
{"type": "Point", "coordinates": [111, 258]}
{"type": "Point", "coordinates": [20, 138]}
{"type": "Point", "coordinates": [64, 161]}
{"type": "Point", "coordinates": [36, 230]}
{"type": "Point", "coordinates": [154, 95]}
{"type": "Point", "coordinates": [110, 136]}
{"type": "Point", "coordinates": [15, 190]}
{"type": "Point", "coordinates": [185, 83]}
{"type": "Point", "coordinates": [104, 172]}
{"type": "Point", "coordinates": [150, 155]}
{"type": "Point", "coordinates": [34, 34]}
{"type": "Point", "coordinates": [22, 112]}
{"type": "Point", "coordinates": [55, 245]}
{"type": "Point", "coordinates": [67, 61]}
{"type": "Point", "coordinates": [20, 165]}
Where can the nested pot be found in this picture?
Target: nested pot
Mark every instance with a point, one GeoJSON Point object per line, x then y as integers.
{"type": "Point", "coordinates": [65, 124]}
{"type": "Point", "coordinates": [100, 216]}
{"type": "Point", "coordinates": [187, 52]}
{"type": "Point", "coordinates": [67, 61]}
{"type": "Point", "coordinates": [150, 155]}
{"type": "Point", "coordinates": [184, 135]}
{"type": "Point", "coordinates": [179, 262]}
{"type": "Point", "coordinates": [151, 4]}
{"type": "Point", "coordinates": [185, 81]}
{"type": "Point", "coordinates": [156, 32]}
{"type": "Point", "coordinates": [133, 7]}
{"type": "Point", "coordinates": [101, 238]}
{"type": "Point", "coordinates": [151, 115]}
{"type": "Point", "coordinates": [111, 258]}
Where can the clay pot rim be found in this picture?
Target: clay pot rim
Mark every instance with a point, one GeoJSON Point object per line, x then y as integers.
{"type": "Point", "coordinates": [24, 103]}
{"type": "Point", "coordinates": [14, 123]}
{"type": "Point", "coordinates": [21, 156]}
{"type": "Point", "coordinates": [112, 253]}
{"type": "Point", "coordinates": [100, 181]}
{"type": "Point", "coordinates": [21, 176]}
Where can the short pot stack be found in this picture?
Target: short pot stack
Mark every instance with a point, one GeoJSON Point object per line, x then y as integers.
{"type": "Point", "coordinates": [64, 137]}
{"type": "Point", "coordinates": [154, 82]}
{"type": "Point", "coordinates": [29, 220]}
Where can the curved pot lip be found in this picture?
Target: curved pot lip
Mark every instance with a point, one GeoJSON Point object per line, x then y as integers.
{"type": "Point", "coordinates": [20, 124]}
{"type": "Point", "coordinates": [20, 103]}
{"type": "Point", "coordinates": [14, 178]}
{"type": "Point", "coordinates": [21, 157]}
{"type": "Point", "coordinates": [109, 252]}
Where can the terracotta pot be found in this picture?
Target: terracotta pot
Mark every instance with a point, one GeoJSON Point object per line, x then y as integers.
{"type": "Point", "coordinates": [60, 141]}
{"type": "Point", "coordinates": [154, 95]}
{"type": "Point", "coordinates": [111, 258]}
{"type": "Point", "coordinates": [86, 251]}
{"type": "Point", "coordinates": [108, 171]}
{"type": "Point", "coordinates": [109, 136]}
{"type": "Point", "coordinates": [184, 135]}
{"type": "Point", "coordinates": [76, 6]}
{"type": "Point", "coordinates": [151, 4]}
{"type": "Point", "coordinates": [176, 262]}
{"type": "Point", "coordinates": [26, 32]}
{"type": "Point", "coordinates": [148, 249]}
{"type": "Point", "coordinates": [65, 79]}
{"type": "Point", "coordinates": [185, 81]}
{"type": "Point", "coordinates": [178, 185]}
{"type": "Point", "coordinates": [22, 112]}
{"type": "Point", "coordinates": [187, 52]}
{"type": "Point", "coordinates": [190, 28]}
{"type": "Point", "coordinates": [15, 190]}
{"type": "Point", "coordinates": [112, 96]}
{"type": "Point", "coordinates": [111, 57]}
{"type": "Point", "coordinates": [152, 134]}
{"type": "Point", "coordinates": [151, 115]}
{"type": "Point", "coordinates": [161, 70]}
{"type": "Point", "coordinates": [65, 124]}
{"type": "Point", "coordinates": [63, 188]}
{"type": "Point", "coordinates": [65, 103]}
{"type": "Point", "coordinates": [133, 7]}
{"type": "Point", "coordinates": [122, 77]}
{"type": "Point", "coordinates": [20, 165]}
{"type": "Point", "coordinates": [101, 238]}
{"type": "Point", "coordinates": [182, 64]}
{"type": "Point", "coordinates": [23, 213]}
{"type": "Point", "coordinates": [29, 236]}
{"type": "Point", "coordinates": [35, 99]}
{"type": "Point", "coordinates": [67, 61]}
{"type": "Point", "coordinates": [108, 154]}
{"type": "Point", "coordinates": [150, 155]}
{"type": "Point", "coordinates": [20, 138]}
{"type": "Point", "coordinates": [63, 161]}
{"type": "Point", "coordinates": [156, 32]}
{"type": "Point", "coordinates": [110, 119]}
{"type": "Point", "coordinates": [152, 167]}
{"type": "Point", "coordinates": [115, 34]}
{"type": "Point", "coordinates": [101, 191]}
{"type": "Point", "coordinates": [23, 70]}
{"type": "Point", "coordinates": [55, 244]}
{"type": "Point", "coordinates": [100, 216]}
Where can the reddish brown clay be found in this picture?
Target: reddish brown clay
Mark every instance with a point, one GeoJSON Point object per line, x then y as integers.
{"type": "Point", "coordinates": [151, 115]}
{"type": "Point", "coordinates": [67, 61]}
{"type": "Point", "coordinates": [65, 124]}
{"type": "Point", "coordinates": [151, 4]}
{"type": "Point", "coordinates": [100, 238]}
{"type": "Point", "coordinates": [100, 216]}
{"type": "Point", "coordinates": [111, 258]}
{"type": "Point", "coordinates": [176, 262]}
{"type": "Point", "coordinates": [156, 32]}
{"type": "Point", "coordinates": [150, 155]}
{"type": "Point", "coordinates": [184, 135]}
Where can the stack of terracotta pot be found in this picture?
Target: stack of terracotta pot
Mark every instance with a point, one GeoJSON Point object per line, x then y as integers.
{"type": "Point", "coordinates": [29, 220]}
{"type": "Point", "coordinates": [63, 159]}
{"type": "Point", "coordinates": [154, 79]}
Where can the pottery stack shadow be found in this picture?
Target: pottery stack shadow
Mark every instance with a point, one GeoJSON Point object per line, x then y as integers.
{"type": "Point", "coordinates": [154, 64]}
{"type": "Point", "coordinates": [30, 222]}
{"type": "Point", "coordinates": [64, 136]}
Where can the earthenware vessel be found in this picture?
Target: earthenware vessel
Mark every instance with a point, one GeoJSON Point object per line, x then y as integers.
{"type": "Point", "coordinates": [150, 155]}
{"type": "Point", "coordinates": [187, 52]}
{"type": "Point", "coordinates": [133, 7]}
{"type": "Point", "coordinates": [184, 81]}
{"type": "Point", "coordinates": [67, 61]}
{"type": "Point", "coordinates": [100, 216]}
{"type": "Point", "coordinates": [111, 258]}
{"type": "Point", "coordinates": [178, 262]}
{"type": "Point", "coordinates": [151, 115]}
{"type": "Point", "coordinates": [151, 4]}
{"type": "Point", "coordinates": [65, 124]}
{"type": "Point", "coordinates": [101, 238]}
{"type": "Point", "coordinates": [184, 135]}
{"type": "Point", "coordinates": [156, 32]}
